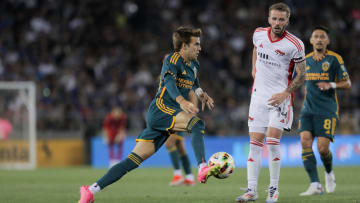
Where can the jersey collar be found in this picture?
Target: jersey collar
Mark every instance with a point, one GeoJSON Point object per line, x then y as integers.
{"type": "Point", "coordinates": [272, 41]}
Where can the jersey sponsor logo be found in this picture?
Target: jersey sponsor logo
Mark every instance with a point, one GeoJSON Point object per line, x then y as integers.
{"type": "Point", "coordinates": [325, 66]}
{"type": "Point", "coordinates": [261, 46]}
{"type": "Point", "coordinates": [279, 52]}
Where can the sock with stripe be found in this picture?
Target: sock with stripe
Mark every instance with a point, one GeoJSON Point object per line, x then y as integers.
{"type": "Point", "coordinates": [273, 145]}
{"type": "Point", "coordinates": [254, 164]}
{"type": "Point", "coordinates": [119, 170]}
{"type": "Point", "coordinates": [309, 162]}
{"type": "Point", "coordinates": [186, 164]}
{"type": "Point", "coordinates": [174, 157]}
{"type": "Point", "coordinates": [327, 161]}
{"type": "Point", "coordinates": [196, 128]}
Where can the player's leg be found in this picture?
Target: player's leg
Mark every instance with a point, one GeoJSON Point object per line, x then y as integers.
{"type": "Point", "coordinates": [309, 162]}
{"type": "Point", "coordinates": [274, 158]}
{"type": "Point", "coordinates": [326, 158]}
{"type": "Point", "coordinates": [180, 145]}
{"type": "Point", "coordinates": [280, 118]}
{"type": "Point", "coordinates": [196, 127]}
{"type": "Point", "coordinates": [258, 122]}
{"type": "Point", "coordinates": [111, 141]}
{"type": "Point", "coordinates": [257, 135]}
{"type": "Point", "coordinates": [170, 144]}
{"type": "Point", "coordinates": [142, 151]}
{"type": "Point", "coordinates": [120, 145]}
{"type": "Point", "coordinates": [325, 130]}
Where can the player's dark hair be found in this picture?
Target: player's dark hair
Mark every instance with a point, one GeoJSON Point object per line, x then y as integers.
{"type": "Point", "coordinates": [323, 28]}
{"type": "Point", "coordinates": [183, 35]}
{"type": "Point", "coordinates": [280, 7]}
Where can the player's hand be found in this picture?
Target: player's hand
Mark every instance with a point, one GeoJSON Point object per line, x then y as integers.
{"type": "Point", "coordinates": [206, 99]}
{"type": "Point", "coordinates": [323, 86]}
{"type": "Point", "coordinates": [278, 98]}
{"type": "Point", "coordinates": [188, 107]}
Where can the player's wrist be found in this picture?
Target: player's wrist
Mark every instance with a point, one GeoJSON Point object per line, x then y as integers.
{"type": "Point", "coordinates": [333, 85]}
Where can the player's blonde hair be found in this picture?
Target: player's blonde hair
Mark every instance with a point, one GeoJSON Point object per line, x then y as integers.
{"type": "Point", "coordinates": [183, 35]}
{"type": "Point", "coordinates": [280, 7]}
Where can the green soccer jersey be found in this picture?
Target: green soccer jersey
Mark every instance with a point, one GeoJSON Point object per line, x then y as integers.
{"type": "Point", "coordinates": [186, 79]}
{"type": "Point", "coordinates": [329, 69]}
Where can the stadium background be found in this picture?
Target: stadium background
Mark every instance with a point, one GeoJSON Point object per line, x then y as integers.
{"type": "Point", "coordinates": [86, 56]}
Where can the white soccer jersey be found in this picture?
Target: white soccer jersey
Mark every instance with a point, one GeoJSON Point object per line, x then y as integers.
{"type": "Point", "coordinates": [274, 62]}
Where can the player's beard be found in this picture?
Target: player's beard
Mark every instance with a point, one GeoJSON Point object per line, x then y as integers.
{"type": "Point", "coordinates": [278, 34]}
{"type": "Point", "coordinates": [320, 50]}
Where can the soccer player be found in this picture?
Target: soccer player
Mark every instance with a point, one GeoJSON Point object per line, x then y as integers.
{"type": "Point", "coordinates": [275, 55]}
{"type": "Point", "coordinates": [176, 148]}
{"type": "Point", "coordinates": [115, 132]}
{"type": "Point", "coordinates": [169, 111]}
{"type": "Point", "coordinates": [325, 72]}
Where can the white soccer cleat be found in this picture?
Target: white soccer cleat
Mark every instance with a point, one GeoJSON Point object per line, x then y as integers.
{"type": "Point", "coordinates": [330, 184]}
{"type": "Point", "coordinates": [248, 196]}
{"type": "Point", "coordinates": [273, 195]}
{"type": "Point", "coordinates": [314, 189]}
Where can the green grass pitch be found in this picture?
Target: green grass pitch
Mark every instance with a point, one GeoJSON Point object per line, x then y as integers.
{"type": "Point", "coordinates": [150, 185]}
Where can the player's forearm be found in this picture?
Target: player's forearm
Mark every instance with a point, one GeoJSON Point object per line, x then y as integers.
{"type": "Point", "coordinates": [299, 79]}
{"type": "Point", "coordinates": [345, 84]}
{"type": "Point", "coordinates": [193, 98]}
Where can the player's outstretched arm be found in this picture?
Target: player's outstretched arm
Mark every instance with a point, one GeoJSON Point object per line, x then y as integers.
{"type": "Point", "coordinates": [277, 99]}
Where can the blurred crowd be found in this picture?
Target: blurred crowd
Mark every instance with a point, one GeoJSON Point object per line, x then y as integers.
{"type": "Point", "coordinates": [87, 56]}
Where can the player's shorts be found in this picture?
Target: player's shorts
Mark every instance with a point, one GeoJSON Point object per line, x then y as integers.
{"type": "Point", "coordinates": [318, 125]}
{"type": "Point", "coordinates": [262, 116]}
{"type": "Point", "coordinates": [160, 119]}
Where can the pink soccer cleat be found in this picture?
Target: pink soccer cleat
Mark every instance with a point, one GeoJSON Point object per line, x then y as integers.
{"type": "Point", "coordinates": [85, 195]}
{"type": "Point", "coordinates": [208, 171]}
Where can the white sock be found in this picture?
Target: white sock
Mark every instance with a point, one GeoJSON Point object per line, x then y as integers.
{"type": "Point", "coordinates": [94, 188]}
{"type": "Point", "coordinates": [189, 177]}
{"type": "Point", "coordinates": [254, 164]}
{"type": "Point", "coordinates": [177, 172]}
{"type": "Point", "coordinates": [314, 184]}
{"type": "Point", "coordinates": [273, 145]}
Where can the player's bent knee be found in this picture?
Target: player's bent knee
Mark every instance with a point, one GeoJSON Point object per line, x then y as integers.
{"type": "Point", "coordinates": [323, 150]}
{"type": "Point", "coordinates": [196, 124]}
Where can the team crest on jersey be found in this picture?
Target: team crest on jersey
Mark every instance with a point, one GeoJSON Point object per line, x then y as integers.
{"type": "Point", "coordinates": [184, 72]}
{"type": "Point", "coordinates": [325, 66]}
{"type": "Point", "coordinates": [307, 68]}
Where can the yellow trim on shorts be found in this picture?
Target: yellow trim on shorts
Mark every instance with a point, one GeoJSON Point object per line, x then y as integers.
{"type": "Point", "coordinates": [163, 108]}
{"type": "Point", "coordinates": [142, 140]}
{"type": "Point", "coordinates": [307, 150]}
{"type": "Point", "coordinates": [172, 124]}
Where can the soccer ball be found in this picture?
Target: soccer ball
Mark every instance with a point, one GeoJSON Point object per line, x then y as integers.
{"type": "Point", "coordinates": [226, 162]}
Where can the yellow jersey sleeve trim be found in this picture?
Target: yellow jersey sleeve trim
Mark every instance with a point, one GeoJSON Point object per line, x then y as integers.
{"type": "Point", "coordinates": [338, 57]}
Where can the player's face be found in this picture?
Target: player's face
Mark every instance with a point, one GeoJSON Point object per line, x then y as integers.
{"type": "Point", "coordinates": [278, 21]}
{"type": "Point", "coordinates": [193, 48]}
{"type": "Point", "coordinates": [319, 39]}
